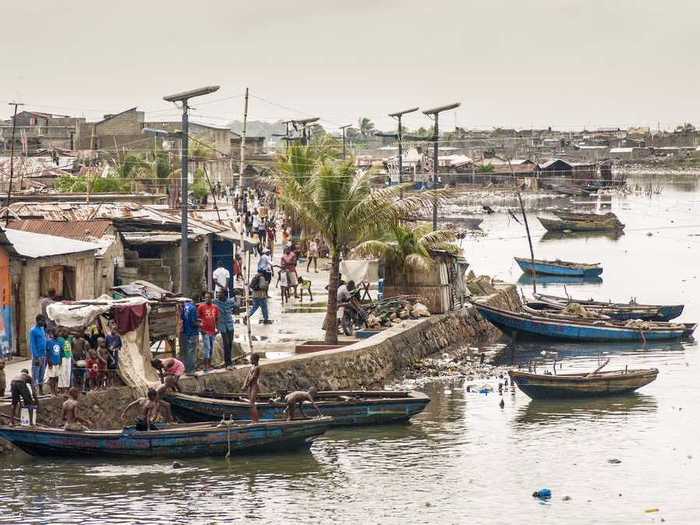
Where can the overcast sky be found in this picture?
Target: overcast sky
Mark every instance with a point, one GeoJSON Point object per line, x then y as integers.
{"type": "Point", "coordinates": [516, 63]}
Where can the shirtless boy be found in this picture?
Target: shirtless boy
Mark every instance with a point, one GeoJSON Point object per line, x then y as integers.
{"type": "Point", "coordinates": [298, 398]}
{"type": "Point", "coordinates": [251, 386]}
{"type": "Point", "coordinates": [71, 416]}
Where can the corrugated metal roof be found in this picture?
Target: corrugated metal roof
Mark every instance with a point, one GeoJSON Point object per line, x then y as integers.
{"type": "Point", "coordinates": [79, 230]}
{"type": "Point", "coordinates": [34, 245]}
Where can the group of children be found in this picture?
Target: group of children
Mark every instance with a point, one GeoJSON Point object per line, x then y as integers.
{"type": "Point", "coordinates": [86, 360]}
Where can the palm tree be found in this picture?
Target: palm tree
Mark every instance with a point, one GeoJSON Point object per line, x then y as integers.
{"type": "Point", "coordinates": [328, 196]}
{"type": "Point", "coordinates": [366, 127]}
{"type": "Point", "coordinates": [407, 248]}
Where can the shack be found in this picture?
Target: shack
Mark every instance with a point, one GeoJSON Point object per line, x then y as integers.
{"type": "Point", "coordinates": [441, 288]}
{"type": "Point", "coordinates": [39, 263]}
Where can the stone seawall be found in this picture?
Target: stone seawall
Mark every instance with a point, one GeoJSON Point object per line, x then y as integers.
{"type": "Point", "coordinates": [369, 363]}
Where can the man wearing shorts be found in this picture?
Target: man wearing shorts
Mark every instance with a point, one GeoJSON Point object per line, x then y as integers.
{"type": "Point", "coordinates": [21, 392]}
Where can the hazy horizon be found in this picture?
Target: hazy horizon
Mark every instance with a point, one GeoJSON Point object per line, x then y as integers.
{"type": "Point", "coordinates": [567, 64]}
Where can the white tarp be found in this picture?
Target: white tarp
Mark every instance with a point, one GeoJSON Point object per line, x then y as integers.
{"type": "Point", "coordinates": [360, 270]}
{"type": "Point", "coordinates": [81, 313]}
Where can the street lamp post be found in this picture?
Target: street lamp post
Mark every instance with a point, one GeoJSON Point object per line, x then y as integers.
{"type": "Point", "coordinates": [398, 116]}
{"type": "Point", "coordinates": [434, 113]}
{"type": "Point", "coordinates": [184, 98]}
{"type": "Point", "coordinates": [343, 128]}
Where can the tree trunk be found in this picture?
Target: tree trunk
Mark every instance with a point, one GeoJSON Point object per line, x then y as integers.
{"type": "Point", "coordinates": [331, 322]}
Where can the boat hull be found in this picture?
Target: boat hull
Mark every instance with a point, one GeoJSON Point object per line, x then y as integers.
{"type": "Point", "coordinates": [559, 225]}
{"type": "Point", "coordinates": [520, 325]}
{"type": "Point", "coordinates": [172, 442]}
{"type": "Point", "coordinates": [538, 386]}
{"type": "Point", "coordinates": [382, 411]}
{"type": "Point", "coordinates": [552, 268]}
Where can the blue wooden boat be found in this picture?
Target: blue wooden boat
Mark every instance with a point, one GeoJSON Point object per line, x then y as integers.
{"type": "Point", "coordinates": [348, 408]}
{"type": "Point", "coordinates": [533, 326]}
{"type": "Point", "coordinates": [618, 311]}
{"type": "Point", "coordinates": [573, 386]}
{"type": "Point", "coordinates": [172, 441]}
{"type": "Point", "coordinates": [563, 268]}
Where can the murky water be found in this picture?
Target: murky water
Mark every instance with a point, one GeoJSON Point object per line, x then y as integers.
{"type": "Point", "coordinates": [464, 459]}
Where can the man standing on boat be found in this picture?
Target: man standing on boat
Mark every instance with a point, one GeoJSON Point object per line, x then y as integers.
{"type": "Point", "coordinates": [21, 392]}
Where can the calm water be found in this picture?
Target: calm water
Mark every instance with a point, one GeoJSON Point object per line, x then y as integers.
{"type": "Point", "coordinates": [464, 459]}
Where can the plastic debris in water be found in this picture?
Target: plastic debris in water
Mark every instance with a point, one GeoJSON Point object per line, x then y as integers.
{"type": "Point", "coordinates": [544, 493]}
{"type": "Point", "coordinates": [650, 511]}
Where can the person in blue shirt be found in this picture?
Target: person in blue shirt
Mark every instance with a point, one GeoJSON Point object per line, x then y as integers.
{"type": "Point", "coordinates": [190, 336]}
{"type": "Point", "coordinates": [37, 346]}
{"type": "Point", "coordinates": [227, 308]}
{"type": "Point", "coordinates": [54, 354]}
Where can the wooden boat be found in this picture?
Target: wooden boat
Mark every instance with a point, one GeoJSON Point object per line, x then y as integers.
{"type": "Point", "coordinates": [597, 384]}
{"type": "Point", "coordinates": [532, 326]}
{"type": "Point", "coordinates": [204, 439]}
{"type": "Point", "coordinates": [618, 311]}
{"type": "Point", "coordinates": [582, 222]}
{"type": "Point", "coordinates": [346, 407]}
{"type": "Point", "coordinates": [563, 268]}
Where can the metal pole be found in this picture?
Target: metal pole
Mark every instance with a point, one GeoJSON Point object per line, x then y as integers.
{"type": "Point", "coordinates": [184, 200]}
{"type": "Point", "coordinates": [12, 160]}
{"type": "Point", "coordinates": [400, 151]}
{"type": "Point", "coordinates": [435, 170]}
{"type": "Point", "coordinates": [343, 143]}
{"type": "Point", "coordinates": [240, 222]}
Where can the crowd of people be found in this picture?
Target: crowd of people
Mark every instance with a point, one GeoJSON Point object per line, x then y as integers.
{"type": "Point", "coordinates": [87, 359]}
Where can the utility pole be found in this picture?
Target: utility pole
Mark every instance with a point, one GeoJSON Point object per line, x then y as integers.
{"type": "Point", "coordinates": [434, 114]}
{"type": "Point", "coordinates": [241, 225]}
{"type": "Point", "coordinates": [184, 98]}
{"type": "Point", "coordinates": [12, 159]}
{"type": "Point", "coordinates": [343, 128]}
{"type": "Point", "coordinates": [398, 116]}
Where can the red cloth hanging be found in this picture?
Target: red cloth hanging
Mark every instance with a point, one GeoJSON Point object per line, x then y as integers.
{"type": "Point", "coordinates": [129, 317]}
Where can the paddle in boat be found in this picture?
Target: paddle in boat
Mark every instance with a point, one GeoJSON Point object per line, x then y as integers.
{"type": "Point", "coordinates": [557, 267]}
{"type": "Point", "coordinates": [173, 441]}
{"type": "Point", "coordinates": [593, 384]}
{"type": "Point", "coordinates": [348, 408]}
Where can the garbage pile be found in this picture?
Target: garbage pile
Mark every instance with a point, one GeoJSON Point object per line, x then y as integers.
{"type": "Point", "coordinates": [393, 310]}
{"type": "Point", "coordinates": [480, 286]}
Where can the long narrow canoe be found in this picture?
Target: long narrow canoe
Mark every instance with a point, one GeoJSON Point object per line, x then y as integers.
{"type": "Point", "coordinates": [567, 386]}
{"type": "Point", "coordinates": [174, 441]}
{"type": "Point", "coordinates": [348, 408]}
{"type": "Point", "coordinates": [563, 268]}
{"type": "Point", "coordinates": [527, 325]}
{"type": "Point", "coordinates": [619, 311]}
{"type": "Point", "coordinates": [574, 225]}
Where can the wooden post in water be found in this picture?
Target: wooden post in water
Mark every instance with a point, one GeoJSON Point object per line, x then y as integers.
{"type": "Point", "coordinates": [527, 229]}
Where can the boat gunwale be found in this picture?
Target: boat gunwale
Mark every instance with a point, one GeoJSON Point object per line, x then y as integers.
{"type": "Point", "coordinates": [561, 264]}
{"type": "Point", "coordinates": [612, 375]}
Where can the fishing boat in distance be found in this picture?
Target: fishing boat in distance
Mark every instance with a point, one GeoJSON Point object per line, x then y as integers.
{"type": "Point", "coordinates": [530, 325]}
{"type": "Point", "coordinates": [557, 267]}
{"type": "Point", "coordinates": [348, 408]}
{"type": "Point", "coordinates": [618, 311]}
{"type": "Point", "coordinates": [172, 441]}
{"type": "Point", "coordinates": [586, 385]}
{"type": "Point", "coordinates": [581, 222]}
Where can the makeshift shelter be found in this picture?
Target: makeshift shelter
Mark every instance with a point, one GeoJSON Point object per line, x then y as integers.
{"type": "Point", "coordinates": [441, 287]}
{"type": "Point", "coordinates": [131, 317]}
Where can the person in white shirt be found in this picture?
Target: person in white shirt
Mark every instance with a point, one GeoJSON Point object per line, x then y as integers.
{"type": "Point", "coordinates": [222, 278]}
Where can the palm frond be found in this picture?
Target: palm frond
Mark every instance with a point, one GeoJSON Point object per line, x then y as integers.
{"type": "Point", "coordinates": [418, 262]}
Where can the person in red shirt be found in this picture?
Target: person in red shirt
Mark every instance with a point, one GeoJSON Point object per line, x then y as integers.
{"type": "Point", "coordinates": [208, 314]}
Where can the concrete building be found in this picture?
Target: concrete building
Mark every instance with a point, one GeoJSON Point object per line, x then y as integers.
{"type": "Point", "coordinates": [40, 132]}
{"type": "Point", "coordinates": [37, 264]}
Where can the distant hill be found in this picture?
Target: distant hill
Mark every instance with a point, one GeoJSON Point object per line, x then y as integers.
{"type": "Point", "coordinates": [259, 128]}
